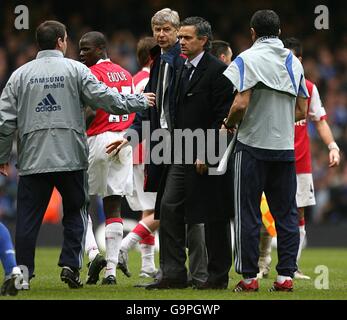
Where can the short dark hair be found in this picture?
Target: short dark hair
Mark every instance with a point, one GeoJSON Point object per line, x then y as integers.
{"type": "Point", "coordinates": [96, 38]}
{"type": "Point", "coordinates": [293, 44]}
{"type": "Point", "coordinates": [48, 33]}
{"type": "Point", "coordinates": [203, 29]}
{"type": "Point", "coordinates": [266, 23]}
{"type": "Point", "coordinates": [144, 47]}
{"type": "Point", "coordinates": [219, 47]}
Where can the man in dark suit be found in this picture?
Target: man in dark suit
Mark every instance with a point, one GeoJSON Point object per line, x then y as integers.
{"type": "Point", "coordinates": [202, 99]}
{"type": "Point", "coordinates": [167, 60]}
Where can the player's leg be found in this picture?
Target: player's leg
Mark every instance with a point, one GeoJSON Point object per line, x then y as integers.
{"type": "Point", "coordinates": [264, 262]}
{"type": "Point", "coordinates": [119, 183]}
{"type": "Point", "coordinates": [249, 177]}
{"type": "Point", "coordinates": [304, 198]}
{"type": "Point", "coordinates": [13, 275]}
{"type": "Point", "coordinates": [147, 246]}
{"type": "Point", "coordinates": [97, 182]}
{"type": "Point", "coordinates": [143, 232]}
{"type": "Point", "coordinates": [113, 236]}
{"type": "Point", "coordinates": [280, 192]}
{"type": "Point", "coordinates": [110, 176]}
{"type": "Point", "coordinates": [91, 247]}
{"type": "Point", "coordinates": [73, 187]}
{"type": "Point", "coordinates": [302, 230]}
{"type": "Point", "coordinates": [34, 193]}
{"type": "Point", "coordinates": [96, 261]}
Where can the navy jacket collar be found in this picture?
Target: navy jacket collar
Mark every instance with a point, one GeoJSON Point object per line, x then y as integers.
{"type": "Point", "coordinates": [168, 56]}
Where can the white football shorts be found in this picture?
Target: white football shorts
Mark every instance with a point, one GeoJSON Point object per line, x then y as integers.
{"type": "Point", "coordinates": [305, 190]}
{"type": "Point", "coordinates": [141, 200]}
{"type": "Point", "coordinates": [109, 174]}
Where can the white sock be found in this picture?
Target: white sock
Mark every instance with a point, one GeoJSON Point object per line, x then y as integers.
{"type": "Point", "coordinates": [91, 246]}
{"type": "Point", "coordinates": [302, 239]}
{"type": "Point", "coordinates": [113, 237]}
{"type": "Point", "coordinates": [16, 270]}
{"type": "Point", "coordinates": [264, 243]}
{"type": "Point", "coordinates": [130, 241]}
{"type": "Point", "coordinates": [147, 255]}
{"type": "Point", "coordinates": [281, 279]}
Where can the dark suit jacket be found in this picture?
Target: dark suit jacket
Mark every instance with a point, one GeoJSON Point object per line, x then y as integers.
{"type": "Point", "coordinates": [153, 171]}
{"type": "Point", "coordinates": [205, 104]}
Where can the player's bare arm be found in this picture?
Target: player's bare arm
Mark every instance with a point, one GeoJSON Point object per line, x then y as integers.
{"type": "Point", "coordinates": [301, 108]}
{"type": "Point", "coordinates": [238, 108]}
{"type": "Point", "coordinates": [326, 135]}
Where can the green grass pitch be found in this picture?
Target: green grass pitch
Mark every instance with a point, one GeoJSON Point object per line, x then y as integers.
{"type": "Point", "coordinates": [47, 284]}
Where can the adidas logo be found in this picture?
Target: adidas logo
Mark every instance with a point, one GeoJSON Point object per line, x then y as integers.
{"type": "Point", "coordinates": [48, 104]}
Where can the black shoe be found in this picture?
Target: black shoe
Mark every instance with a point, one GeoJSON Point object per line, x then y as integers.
{"type": "Point", "coordinates": [142, 285]}
{"type": "Point", "coordinates": [167, 284]}
{"type": "Point", "coordinates": [11, 285]}
{"type": "Point", "coordinates": [94, 268]}
{"type": "Point", "coordinates": [196, 284]}
{"type": "Point", "coordinates": [110, 280]}
{"type": "Point", "coordinates": [211, 286]}
{"type": "Point", "coordinates": [123, 263]}
{"type": "Point", "coordinates": [71, 277]}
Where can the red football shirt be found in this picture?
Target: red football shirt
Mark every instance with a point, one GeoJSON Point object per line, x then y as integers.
{"type": "Point", "coordinates": [316, 112]}
{"type": "Point", "coordinates": [118, 78]}
{"type": "Point", "coordinates": [140, 81]}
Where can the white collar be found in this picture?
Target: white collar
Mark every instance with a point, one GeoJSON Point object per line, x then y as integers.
{"type": "Point", "coordinates": [146, 69]}
{"type": "Point", "coordinates": [267, 39]}
{"type": "Point", "coordinates": [103, 60]}
{"type": "Point", "coordinates": [195, 61]}
{"type": "Point", "coordinates": [49, 53]}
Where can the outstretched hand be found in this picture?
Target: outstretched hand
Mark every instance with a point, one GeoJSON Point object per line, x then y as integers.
{"type": "Point", "coordinates": [150, 98]}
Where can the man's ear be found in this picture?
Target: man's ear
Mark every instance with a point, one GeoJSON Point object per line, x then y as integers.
{"type": "Point", "coordinates": [59, 43]}
{"type": "Point", "coordinates": [253, 34]}
{"type": "Point", "coordinates": [279, 32]}
{"type": "Point", "coordinates": [206, 39]}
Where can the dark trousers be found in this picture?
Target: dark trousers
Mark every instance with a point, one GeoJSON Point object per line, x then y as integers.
{"type": "Point", "coordinates": [197, 252]}
{"type": "Point", "coordinates": [172, 233]}
{"type": "Point", "coordinates": [219, 251]}
{"type": "Point", "coordinates": [34, 193]}
{"type": "Point", "coordinates": [278, 180]}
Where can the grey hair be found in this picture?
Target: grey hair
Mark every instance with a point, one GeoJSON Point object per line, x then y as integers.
{"type": "Point", "coordinates": [203, 29]}
{"type": "Point", "coordinates": [166, 16]}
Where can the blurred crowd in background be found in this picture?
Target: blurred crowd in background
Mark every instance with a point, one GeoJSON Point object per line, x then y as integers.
{"type": "Point", "coordinates": [125, 22]}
